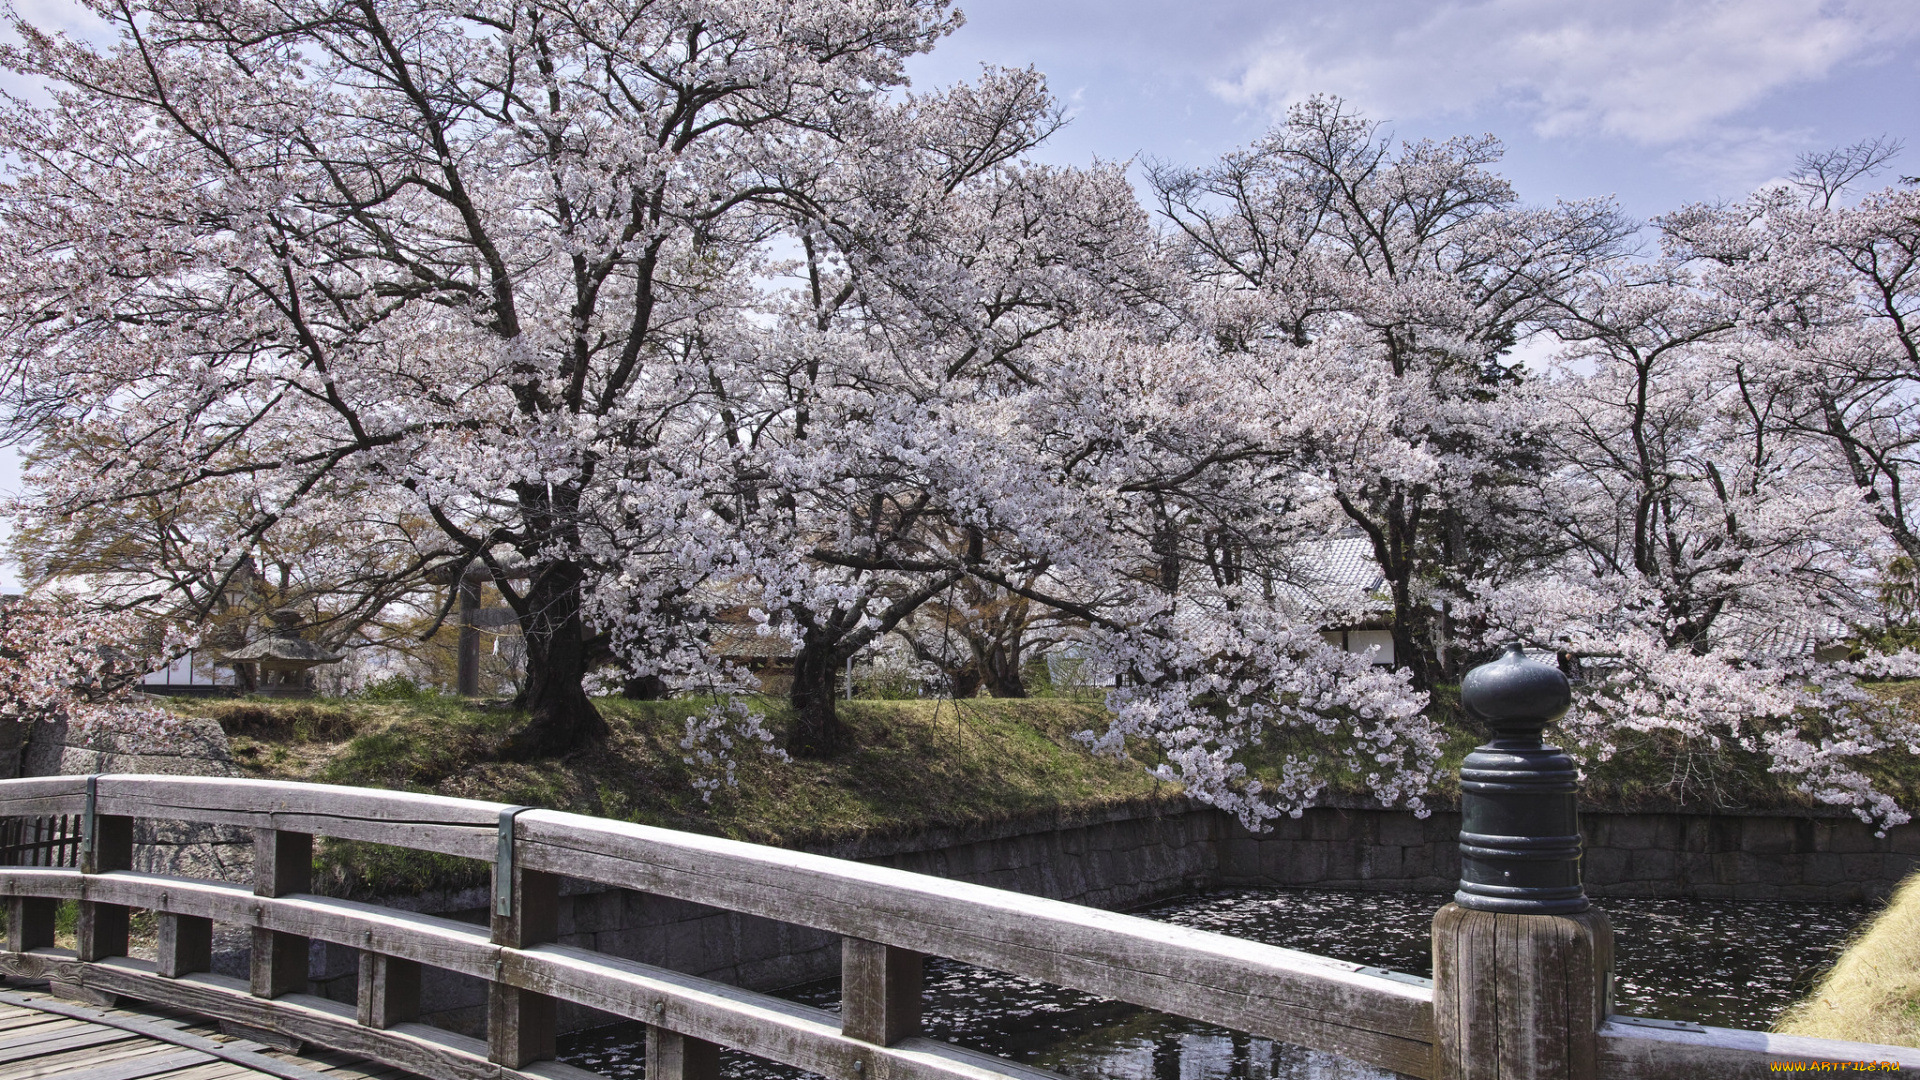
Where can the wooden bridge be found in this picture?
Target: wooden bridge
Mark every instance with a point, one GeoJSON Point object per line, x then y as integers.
{"type": "Point", "coordinates": [42, 1036]}
{"type": "Point", "coordinates": [1478, 1018]}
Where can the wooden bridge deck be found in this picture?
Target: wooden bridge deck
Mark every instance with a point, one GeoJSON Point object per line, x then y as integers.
{"type": "Point", "coordinates": [44, 1036]}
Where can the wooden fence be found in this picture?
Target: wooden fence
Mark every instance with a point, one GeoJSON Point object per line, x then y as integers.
{"type": "Point", "coordinates": [889, 920]}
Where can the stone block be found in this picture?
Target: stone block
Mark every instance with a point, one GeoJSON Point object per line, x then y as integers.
{"type": "Point", "coordinates": [1858, 869]}
{"type": "Point", "coordinates": [1604, 866]}
{"type": "Point", "coordinates": [1824, 867]}
{"type": "Point", "coordinates": [1653, 864]}
{"type": "Point", "coordinates": [1849, 838]}
{"type": "Point", "coordinates": [1381, 863]}
{"type": "Point", "coordinates": [1636, 832]}
{"type": "Point", "coordinates": [1768, 835]}
{"type": "Point", "coordinates": [1306, 864]}
{"type": "Point", "coordinates": [1904, 839]}
{"type": "Point", "coordinates": [1400, 830]}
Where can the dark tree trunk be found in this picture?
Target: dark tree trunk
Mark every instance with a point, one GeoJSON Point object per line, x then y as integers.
{"type": "Point", "coordinates": [1410, 637]}
{"type": "Point", "coordinates": [816, 725]}
{"type": "Point", "coordinates": [645, 688]}
{"type": "Point", "coordinates": [560, 717]}
{"type": "Point", "coordinates": [1001, 665]}
{"type": "Point", "coordinates": [964, 682]}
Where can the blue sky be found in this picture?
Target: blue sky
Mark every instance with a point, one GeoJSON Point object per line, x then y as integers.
{"type": "Point", "coordinates": [1655, 102]}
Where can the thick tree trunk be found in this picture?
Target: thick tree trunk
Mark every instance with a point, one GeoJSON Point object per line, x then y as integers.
{"type": "Point", "coordinates": [1001, 666]}
{"type": "Point", "coordinates": [815, 732]}
{"type": "Point", "coordinates": [1410, 639]}
{"type": "Point", "coordinates": [964, 682]}
{"type": "Point", "coordinates": [560, 717]}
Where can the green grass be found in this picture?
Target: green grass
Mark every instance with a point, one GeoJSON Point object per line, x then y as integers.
{"type": "Point", "coordinates": [915, 765]}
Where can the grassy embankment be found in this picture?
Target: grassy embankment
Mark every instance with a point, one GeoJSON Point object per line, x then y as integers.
{"type": "Point", "coordinates": [1872, 993]}
{"type": "Point", "coordinates": [915, 765]}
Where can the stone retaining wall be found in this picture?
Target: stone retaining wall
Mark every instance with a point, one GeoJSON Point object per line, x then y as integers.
{"type": "Point", "coordinates": [1710, 856]}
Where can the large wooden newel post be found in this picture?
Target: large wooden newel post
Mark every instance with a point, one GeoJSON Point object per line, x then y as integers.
{"type": "Point", "coordinates": [1520, 958]}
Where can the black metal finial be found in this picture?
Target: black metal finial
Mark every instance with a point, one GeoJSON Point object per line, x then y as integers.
{"type": "Point", "coordinates": [1519, 833]}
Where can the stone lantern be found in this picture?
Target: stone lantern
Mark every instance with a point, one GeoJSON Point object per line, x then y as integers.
{"type": "Point", "coordinates": [282, 660]}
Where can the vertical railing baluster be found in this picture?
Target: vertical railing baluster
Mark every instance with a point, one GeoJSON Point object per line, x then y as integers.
{"type": "Point", "coordinates": [282, 866]}
{"type": "Point", "coordinates": [880, 989]}
{"type": "Point", "coordinates": [389, 990]}
{"type": "Point", "coordinates": [673, 1056]}
{"type": "Point", "coordinates": [102, 928]}
{"type": "Point", "coordinates": [526, 912]}
{"type": "Point", "coordinates": [184, 944]}
{"type": "Point", "coordinates": [30, 923]}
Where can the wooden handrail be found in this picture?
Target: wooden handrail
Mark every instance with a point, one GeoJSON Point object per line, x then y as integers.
{"type": "Point", "coordinates": [1283, 994]}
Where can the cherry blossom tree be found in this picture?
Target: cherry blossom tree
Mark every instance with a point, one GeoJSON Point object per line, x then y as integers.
{"type": "Point", "coordinates": [60, 661]}
{"type": "Point", "coordinates": [1405, 274]}
{"type": "Point", "coordinates": [449, 257]}
{"type": "Point", "coordinates": [1832, 287]}
{"type": "Point", "coordinates": [1708, 544]}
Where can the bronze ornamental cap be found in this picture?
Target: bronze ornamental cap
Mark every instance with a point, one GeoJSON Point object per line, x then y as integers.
{"type": "Point", "coordinates": [1516, 692]}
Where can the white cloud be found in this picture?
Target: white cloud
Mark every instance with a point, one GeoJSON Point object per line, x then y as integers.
{"type": "Point", "coordinates": [1654, 71]}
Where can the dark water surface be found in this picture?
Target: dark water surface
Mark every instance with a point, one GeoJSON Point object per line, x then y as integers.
{"type": "Point", "coordinates": [1675, 959]}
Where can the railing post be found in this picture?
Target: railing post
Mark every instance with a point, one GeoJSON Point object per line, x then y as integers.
{"type": "Point", "coordinates": [880, 989]}
{"type": "Point", "coordinates": [673, 1056]}
{"type": "Point", "coordinates": [184, 945]}
{"type": "Point", "coordinates": [526, 911]}
{"type": "Point", "coordinates": [30, 921]}
{"type": "Point", "coordinates": [389, 990]}
{"type": "Point", "coordinates": [282, 866]}
{"type": "Point", "coordinates": [1520, 958]}
{"type": "Point", "coordinates": [102, 928]}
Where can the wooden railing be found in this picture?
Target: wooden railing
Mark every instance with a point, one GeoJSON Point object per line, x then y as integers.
{"type": "Point", "coordinates": [889, 919]}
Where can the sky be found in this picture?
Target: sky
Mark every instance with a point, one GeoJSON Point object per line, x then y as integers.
{"type": "Point", "coordinates": [1656, 103]}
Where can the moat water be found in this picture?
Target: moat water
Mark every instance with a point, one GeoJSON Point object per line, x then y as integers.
{"type": "Point", "coordinates": [1674, 959]}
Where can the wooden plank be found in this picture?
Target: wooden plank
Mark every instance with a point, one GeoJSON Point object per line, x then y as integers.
{"type": "Point", "coordinates": [760, 1025]}
{"type": "Point", "coordinates": [282, 866]}
{"type": "Point", "coordinates": [575, 975]}
{"type": "Point", "coordinates": [140, 1068]}
{"type": "Point", "coordinates": [43, 796]}
{"type": "Point", "coordinates": [30, 922]}
{"type": "Point", "coordinates": [214, 1070]}
{"type": "Point", "coordinates": [102, 928]}
{"type": "Point", "coordinates": [169, 1031]}
{"type": "Point", "coordinates": [423, 1051]}
{"type": "Point", "coordinates": [64, 1064]}
{"type": "Point", "coordinates": [1631, 1051]}
{"type": "Point", "coordinates": [41, 882]}
{"type": "Point", "coordinates": [436, 942]}
{"type": "Point", "coordinates": [1280, 993]}
{"type": "Point", "coordinates": [463, 827]}
{"type": "Point", "coordinates": [60, 1042]}
{"type": "Point", "coordinates": [20, 1019]}
{"type": "Point", "coordinates": [1274, 992]}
